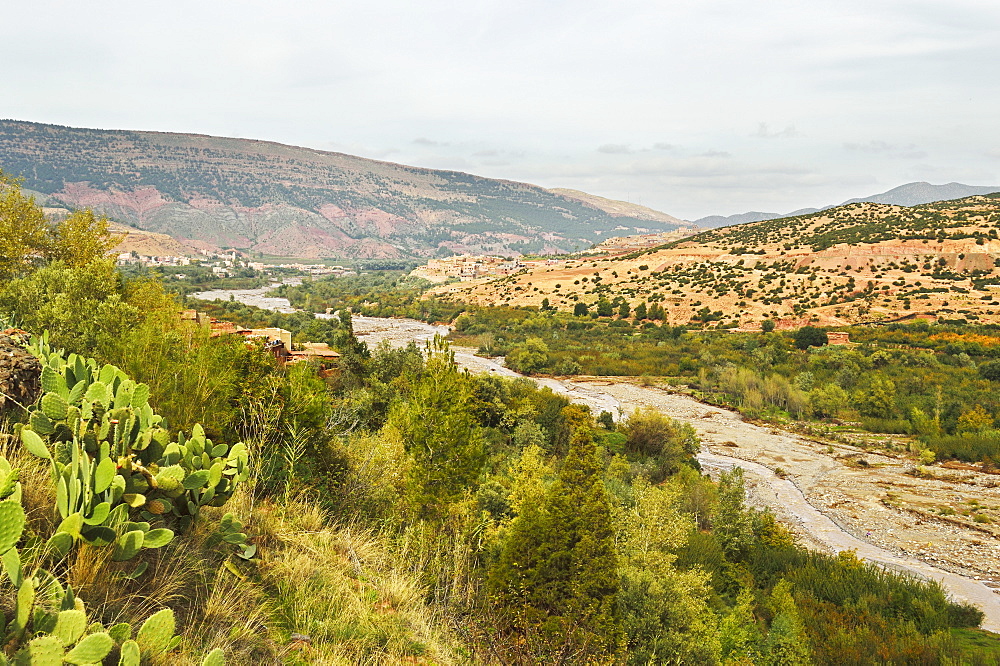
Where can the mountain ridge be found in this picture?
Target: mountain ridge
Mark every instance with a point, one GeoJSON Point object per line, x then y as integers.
{"type": "Point", "coordinates": [269, 198]}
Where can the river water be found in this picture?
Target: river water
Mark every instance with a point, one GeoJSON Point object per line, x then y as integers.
{"type": "Point", "coordinates": [783, 496]}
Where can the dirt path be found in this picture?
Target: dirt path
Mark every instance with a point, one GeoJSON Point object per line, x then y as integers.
{"type": "Point", "coordinates": [832, 501]}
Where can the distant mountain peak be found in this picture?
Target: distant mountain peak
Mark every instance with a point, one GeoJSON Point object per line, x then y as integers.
{"type": "Point", "coordinates": [915, 194]}
{"type": "Point", "coordinates": [908, 194]}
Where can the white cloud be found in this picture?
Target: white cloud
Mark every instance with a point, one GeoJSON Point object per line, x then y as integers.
{"type": "Point", "coordinates": [615, 149]}
{"type": "Point", "coordinates": [527, 90]}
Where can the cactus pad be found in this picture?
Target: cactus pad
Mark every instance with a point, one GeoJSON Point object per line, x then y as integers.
{"type": "Point", "coordinates": [157, 631]}
{"type": "Point", "coordinates": [91, 650]}
{"type": "Point", "coordinates": [11, 524]}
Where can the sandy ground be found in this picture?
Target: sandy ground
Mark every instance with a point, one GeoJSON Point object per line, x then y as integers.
{"type": "Point", "coordinates": [256, 297]}
{"type": "Point", "coordinates": [880, 511]}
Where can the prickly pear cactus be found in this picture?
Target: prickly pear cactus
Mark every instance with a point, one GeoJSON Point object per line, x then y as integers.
{"type": "Point", "coordinates": [113, 461]}
{"type": "Point", "coordinates": [48, 624]}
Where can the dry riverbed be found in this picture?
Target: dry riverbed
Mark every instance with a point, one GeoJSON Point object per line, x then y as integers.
{"type": "Point", "coordinates": [834, 496]}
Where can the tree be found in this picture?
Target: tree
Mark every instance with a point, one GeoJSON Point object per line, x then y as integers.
{"type": "Point", "coordinates": [975, 419]}
{"type": "Point", "coordinates": [440, 432]}
{"type": "Point", "coordinates": [640, 311]}
{"type": "Point", "coordinates": [623, 310]}
{"type": "Point", "coordinates": [24, 231]}
{"type": "Point", "coordinates": [787, 643]}
{"type": "Point", "coordinates": [990, 371]}
{"type": "Point", "coordinates": [767, 325]}
{"type": "Point", "coordinates": [580, 309]}
{"type": "Point", "coordinates": [545, 305]}
{"type": "Point", "coordinates": [732, 524]}
{"type": "Point", "coordinates": [556, 581]}
{"type": "Point", "coordinates": [84, 309]}
{"type": "Point", "coordinates": [828, 401]}
{"type": "Point", "coordinates": [663, 610]}
{"type": "Point", "coordinates": [529, 357]}
{"type": "Point", "coordinates": [739, 633]}
{"type": "Point", "coordinates": [879, 400]}
{"type": "Point", "coordinates": [809, 336]}
{"type": "Point", "coordinates": [354, 353]}
{"type": "Point", "coordinates": [659, 441]}
{"type": "Point", "coordinates": [80, 239]}
{"type": "Point", "coordinates": [604, 308]}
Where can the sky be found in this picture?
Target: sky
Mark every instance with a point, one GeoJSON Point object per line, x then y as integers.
{"type": "Point", "coordinates": [692, 107]}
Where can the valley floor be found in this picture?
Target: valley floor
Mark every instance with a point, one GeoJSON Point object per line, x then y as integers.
{"type": "Point", "coordinates": [832, 502]}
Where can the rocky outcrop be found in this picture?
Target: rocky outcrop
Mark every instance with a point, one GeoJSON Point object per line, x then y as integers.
{"type": "Point", "coordinates": [20, 375]}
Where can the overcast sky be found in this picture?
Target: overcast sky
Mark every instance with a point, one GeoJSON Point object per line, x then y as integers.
{"type": "Point", "coordinates": [693, 107]}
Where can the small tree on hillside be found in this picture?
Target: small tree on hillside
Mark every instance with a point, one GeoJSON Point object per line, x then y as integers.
{"type": "Point", "coordinates": [440, 432]}
{"type": "Point", "coordinates": [990, 371]}
{"type": "Point", "coordinates": [809, 336]}
{"type": "Point", "coordinates": [556, 581]}
{"type": "Point", "coordinates": [580, 309]}
{"type": "Point", "coordinates": [24, 231]}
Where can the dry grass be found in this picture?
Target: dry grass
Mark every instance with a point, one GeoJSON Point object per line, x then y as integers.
{"type": "Point", "coordinates": [343, 587]}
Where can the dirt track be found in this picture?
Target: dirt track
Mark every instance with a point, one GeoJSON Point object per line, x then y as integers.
{"type": "Point", "coordinates": [831, 501]}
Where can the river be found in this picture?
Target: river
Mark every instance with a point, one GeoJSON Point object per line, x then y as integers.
{"type": "Point", "coordinates": [780, 493]}
{"type": "Point", "coordinates": [808, 465]}
{"type": "Point", "coordinates": [255, 297]}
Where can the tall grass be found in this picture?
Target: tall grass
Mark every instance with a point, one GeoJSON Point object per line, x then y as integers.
{"type": "Point", "coordinates": [969, 446]}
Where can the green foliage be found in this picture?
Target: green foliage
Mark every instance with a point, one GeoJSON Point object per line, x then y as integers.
{"type": "Point", "coordinates": [990, 371]}
{"type": "Point", "coordinates": [529, 357]}
{"type": "Point", "coordinates": [377, 294]}
{"type": "Point", "coordinates": [664, 611]}
{"type": "Point", "coordinates": [658, 443]}
{"type": "Point", "coordinates": [809, 336]}
{"type": "Point", "coordinates": [81, 238]}
{"type": "Point", "coordinates": [23, 229]}
{"type": "Point", "coordinates": [786, 643]}
{"type": "Point", "coordinates": [84, 309]}
{"type": "Point", "coordinates": [731, 524]}
{"type": "Point", "coordinates": [556, 582]}
{"type": "Point", "coordinates": [440, 434]}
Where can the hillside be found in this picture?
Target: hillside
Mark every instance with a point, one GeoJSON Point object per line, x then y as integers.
{"type": "Point", "coordinates": [274, 199]}
{"type": "Point", "coordinates": [859, 262]}
{"type": "Point", "coordinates": [617, 208]}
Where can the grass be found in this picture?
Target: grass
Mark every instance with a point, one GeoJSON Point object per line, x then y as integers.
{"type": "Point", "coordinates": [983, 644]}
{"type": "Point", "coordinates": [338, 585]}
